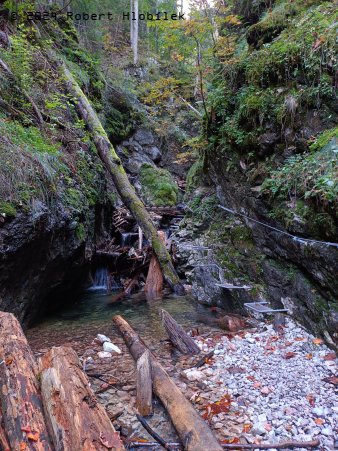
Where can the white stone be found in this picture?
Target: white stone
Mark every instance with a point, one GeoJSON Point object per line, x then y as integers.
{"type": "Point", "coordinates": [110, 347]}
{"type": "Point", "coordinates": [102, 338]}
{"type": "Point", "coordinates": [104, 355]}
{"type": "Point", "coordinates": [194, 375]}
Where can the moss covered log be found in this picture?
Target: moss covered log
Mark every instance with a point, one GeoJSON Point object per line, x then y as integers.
{"type": "Point", "coordinates": [113, 164]}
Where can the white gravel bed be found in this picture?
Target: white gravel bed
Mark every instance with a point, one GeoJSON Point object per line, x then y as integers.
{"type": "Point", "coordinates": [276, 386]}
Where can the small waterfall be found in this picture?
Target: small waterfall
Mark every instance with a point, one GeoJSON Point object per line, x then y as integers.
{"type": "Point", "coordinates": [104, 281]}
{"type": "Point", "coordinates": [128, 239]}
{"type": "Point", "coordinates": [100, 280]}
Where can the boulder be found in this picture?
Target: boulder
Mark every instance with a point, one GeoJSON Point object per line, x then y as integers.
{"type": "Point", "coordinates": [144, 137]}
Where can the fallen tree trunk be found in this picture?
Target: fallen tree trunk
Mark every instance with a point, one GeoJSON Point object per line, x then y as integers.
{"type": "Point", "coordinates": [178, 336]}
{"type": "Point", "coordinates": [114, 166]}
{"type": "Point", "coordinates": [144, 385]}
{"type": "Point", "coordinates": [75, 419]}
{"type": "Point", "coordinates": [20, 401]}
{"type": "Point", "coordinates": [4, 445]}
{"type": "Point", "coordinates": [192, 430]}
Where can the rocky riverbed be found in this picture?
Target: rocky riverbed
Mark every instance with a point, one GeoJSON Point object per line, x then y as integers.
{"type": "Point", "coordinates": [260, 386]}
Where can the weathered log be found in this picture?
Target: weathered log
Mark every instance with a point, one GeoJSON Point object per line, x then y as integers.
{"type": "Point", "coordinates": [75, 419]}
{"type": "Point", "coordinates": [4, 445]}
{"type": "Point", "coordinates": [144, 385]}
{"type": "Point", "coordinates": [179, 338]}
{"type": "Point", "coordinates": [20, 401]}
{"type": "Point", "coordinates": [114, 166]}
{"type": "Point", "coordinates": [191, 428]}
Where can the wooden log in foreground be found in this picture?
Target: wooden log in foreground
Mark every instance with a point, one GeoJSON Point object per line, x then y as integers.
{"type": "Point", "coordinates": [193, 431]}
{"type": "Point", "coordinates": [178, 336]}
{"type": "Point", "coordinates": [4, 445]}
{"type": "Point", "coordinates": [75, 419]}
{"type": "Point", "coordinates": [20, 401]}
{"type": "Point", "coordinates": [144, 385]}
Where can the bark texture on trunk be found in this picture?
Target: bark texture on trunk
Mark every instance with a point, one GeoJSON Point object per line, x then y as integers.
{"type": "Point", "coordinates": [114, 166]}
{"type": "Point", "coordinates": [20, 400]}
{"type": "Point", "coordinates": [144, 385]}
{"type": "Point", "coordinates": [75, 419]}
{"type": "Point", "coordinates": [154, 283]}
{"type": "Point", "coordinates": [193, 431]}
{"type": "Point", "coordinates": [178, 336]}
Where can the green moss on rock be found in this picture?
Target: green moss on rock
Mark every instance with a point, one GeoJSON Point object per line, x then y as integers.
{"type": "Point", "coordinates": [158, 186]}
{"type": "Point", "coordinates": [7, 209]}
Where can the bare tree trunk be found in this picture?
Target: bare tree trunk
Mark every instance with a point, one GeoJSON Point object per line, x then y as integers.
{"type": "Point", "coordinates": [76, 421]}
{"type": "Point", "coordinates": [191, 428]}
{"type": "Point", "coordinates": [154, 283]}
{"type": "Point", "coordinates": [20, 400]}
{"type": "Point", "coordinates": [135, 24]}
{"type": "Point", "coordinates": [114, 166]}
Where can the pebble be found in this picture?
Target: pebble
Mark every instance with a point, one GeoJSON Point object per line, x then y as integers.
{"type": "Point", "coordinates": [104, 355]}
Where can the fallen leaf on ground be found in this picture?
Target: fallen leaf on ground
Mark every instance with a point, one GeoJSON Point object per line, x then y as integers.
{"type": "Point", "coordinates": [288, 343]}
{"type": "Point", "coordinates": [228, 441]}
{"type": "Point", "coordinates": [268, 427]}
{"type": "Point", "coordinates": [23, 446]}
{"type": "Point", "coordinates": [9, 360]}
{"type": "Point", "coordinates": [299, 339]}
{"type": "Point", "coordinates": [311, 400]}
{"type": "Point", "coordinates": [319, 421]}
{"type": "Point", "coordinates": [26, 428]}
{"type": "Point", "coordinates": [257, 385]}
{"type": "Point", "coordinates": [289, 355]}
{"type": "Point", "coordinates": [251, 378]}
{"type": "Point", "coordinates": [34, 436]}
{"type": "Point", "coordinates": [309, 356]}
{"type": "Point", "coordinates": [247, 427]}
{"type": "Point", "coordinates": [331, 380]}
{"type": "Point", "coordinates": [331, 356]}
{"type": "Point", "coordinates": [223, 405]}
{"type": "Point", "coordinates": [317, 341]}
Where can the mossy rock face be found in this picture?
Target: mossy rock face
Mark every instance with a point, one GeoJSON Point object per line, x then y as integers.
{"type": "Point", "coordinates": [158, 186]}
{"type": "Point", "coordinates": [7, 209]}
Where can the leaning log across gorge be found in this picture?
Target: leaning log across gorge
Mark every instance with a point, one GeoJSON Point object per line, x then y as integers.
{"type": "Point", "coordinates": [179, 338]}
{"type": "Point", "coordinates": [193, 431]}
{"type": "Point", "coordinates": [114, 166]}
{"type": "Point", "coordinates": [20, 400]}
{"type": "Point", "coordinates": [75, 419]}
